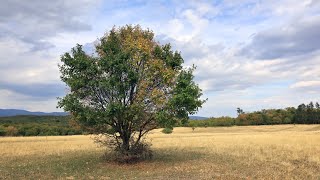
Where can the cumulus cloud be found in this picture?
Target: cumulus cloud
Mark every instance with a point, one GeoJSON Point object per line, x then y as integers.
{"type": "Point", "coordinates": [20, 66]}
{"type": "Point", "coordinates": [10, 99]}
{"type": "Point", "coordinates": [37, 90]}
{"type": "Point", "coordinates": [307, 86]}
{"type": "Point", "coordinates": [29, 54]}
{"type": "Point", "coordinates": [290, 40]}
{"type": "Point", "coordinates": [232, 80]}
{"type": "Point", "coordinates": [34, 22]}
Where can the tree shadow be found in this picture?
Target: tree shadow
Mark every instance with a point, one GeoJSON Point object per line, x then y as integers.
{"type": "Point", "coordinates": [161, 155]}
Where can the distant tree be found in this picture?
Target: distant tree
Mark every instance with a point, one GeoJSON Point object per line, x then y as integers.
{"type": "Point", "coordinates": [11, 131]}
{"type": "Point", "coordinates": [301, 114]}
{"type": "Point", "coordinates": [307, 114]}
{"type": "Point", "coordinates": [310, 105]}
{"type": "Point", "coordinates": [317, 112]}
{"type": "Point", "coordinates": [2, 131]}
{"type": "Point", "coordinates": [240, 111]}
{"type": "Point", "coordinates": [131, 86]}
{"type": "Point", "coordinates": [242, 119]}
{"type": "Point", "coordinates": [311, 113]}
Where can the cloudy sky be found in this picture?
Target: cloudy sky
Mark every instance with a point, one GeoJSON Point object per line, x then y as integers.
{"type": "Point", "coordinates": [252, 54]}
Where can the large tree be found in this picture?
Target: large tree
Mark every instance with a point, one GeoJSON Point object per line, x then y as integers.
{"type": "Point", "coordinates": [131, 85]}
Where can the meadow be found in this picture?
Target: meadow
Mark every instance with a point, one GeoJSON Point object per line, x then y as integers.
{"type": "Point", "coordinates": [238, 152]}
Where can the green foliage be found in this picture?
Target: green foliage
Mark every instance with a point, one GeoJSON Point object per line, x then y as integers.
{"type": "Point", "coordinates": [167, 130]}
{"type": "Point", "coordinates": [2, 131]}
{"type": "Point", "coordinates": [132, 86]}
{"type": "Point", "coordinates": [304, 114]}
{"type": "Point", "coordinates": [212, 122]}
{"type": "Point", "coordinates": [240, 111]}
{"type": "Point", "coordinates": [307, 114]}
{"type": "Point", "coordinates": [11, 131]}
{"type": "Point", "coordinates": [37, 126]}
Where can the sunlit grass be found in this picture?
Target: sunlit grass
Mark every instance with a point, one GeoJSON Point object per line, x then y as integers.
{"type": "Point", "coordinates": [268, 152]}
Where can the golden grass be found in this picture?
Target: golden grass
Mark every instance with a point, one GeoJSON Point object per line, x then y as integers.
{"type": "Point", "coordinates": [267, 152]}
{"type": "Point", "coordinates": [43, 146]}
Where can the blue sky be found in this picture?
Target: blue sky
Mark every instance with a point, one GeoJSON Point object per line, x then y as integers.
{"type": "Point", "coordinates": [251, 54]}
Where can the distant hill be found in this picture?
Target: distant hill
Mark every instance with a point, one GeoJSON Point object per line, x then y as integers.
{"type": "Point", "coordinates": [16, 112]}
{"type": "Point", "coordinates": [197, 117]}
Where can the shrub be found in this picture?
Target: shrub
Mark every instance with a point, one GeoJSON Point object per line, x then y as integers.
{"type": "Point", "coordinates": [137, 153]}
{"type": "Point", "coordinates": [71, 133]}
{"type": "Point", "coordinates": [31, 132]}
{"type": "Point", "coordinates": [2, 131]}
{"type": "Point", "coordinates": [167, 130]}
{"type": "Point", "coordinates": [11, 131]}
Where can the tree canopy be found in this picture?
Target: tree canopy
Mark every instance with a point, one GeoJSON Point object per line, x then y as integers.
{"type": "Point", "coordinates": [132, 85]}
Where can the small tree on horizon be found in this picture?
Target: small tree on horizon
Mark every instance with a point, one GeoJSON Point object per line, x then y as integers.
{"type": "Point", "coordinates": [132, 86]}
{"type": "Point", "coordinates": [239, 111]}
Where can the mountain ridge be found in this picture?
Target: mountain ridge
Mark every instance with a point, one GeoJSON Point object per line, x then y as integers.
{"type": "Point", "coordinates": [17, 112]}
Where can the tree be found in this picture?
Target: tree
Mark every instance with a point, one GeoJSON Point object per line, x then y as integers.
{"type": "Point", "coordinates": [11, 131]}
{"type": "Point", "coordinates": [301, 115]}
{"type": "Point", "coordinates": [240, 111]}
{"type": "Point", "coordinates": [2, 131]}
{"type": "Point", "coordinates": [130, 87]}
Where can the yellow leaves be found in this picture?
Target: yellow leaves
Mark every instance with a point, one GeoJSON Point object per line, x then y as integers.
{"type": "Point", "coordinates": [155, 77]}
{"type": "Point", "coordinates": [141, 92]}
{"type": "Point", "coordinates": [134, 39]}
{"type": "Point", "coordinates": [158, 97]}
{"type": "Point", "coordinates": [157, 68]}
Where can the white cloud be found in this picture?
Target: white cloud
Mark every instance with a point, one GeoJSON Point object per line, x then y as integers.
{"type": "Point", "coordinates": [34, 22]}
{"type": "Point", "coordinates": [11, 99]}
{"type": "Point", "coordinates": [306, 85]}
{"type": "Point", "coordinates": [20, 66]}
{"type": "Point", "coordinates": [288, 40]}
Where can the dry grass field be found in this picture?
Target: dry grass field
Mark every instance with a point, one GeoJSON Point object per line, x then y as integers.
{"type": "Point", "coordinates": [252, 152]}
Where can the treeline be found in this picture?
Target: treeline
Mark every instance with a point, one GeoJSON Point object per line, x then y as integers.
{"type": "Point", "coordinates": [267, 117]}
{"type": "Point", "coordinates": [62, 125]}
{"type": "Point", "coordinates": [212, 122]}
{"type": "Point", "coordinates": [303, 114]}
{"type": "Point", "coordinates": [37, 126]}
{"type": "Point", "coordinates": [307, 114]}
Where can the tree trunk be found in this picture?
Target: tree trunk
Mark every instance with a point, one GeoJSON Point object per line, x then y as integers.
{"type": "Point", "coordinates": [125, 143]}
